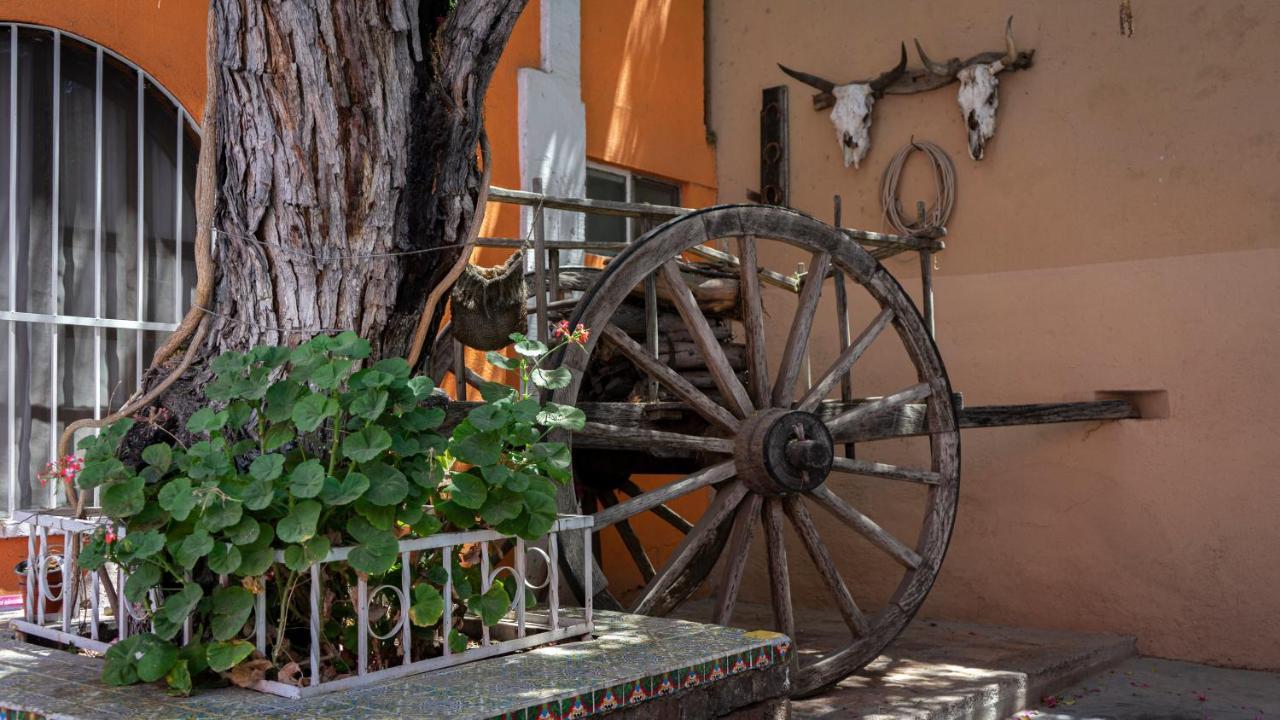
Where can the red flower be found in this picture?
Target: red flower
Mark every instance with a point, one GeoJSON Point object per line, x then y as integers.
{"type": "Point", "coordinates": [110, 537]}
{"type": "Point", "coordinates": [561, 330]}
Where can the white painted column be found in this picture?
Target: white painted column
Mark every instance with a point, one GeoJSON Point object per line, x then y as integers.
{"type": "Point", "coordinates": [553, 124]}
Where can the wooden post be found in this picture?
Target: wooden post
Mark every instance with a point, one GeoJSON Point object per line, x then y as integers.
{"type": "Point", "coordinates": [650, 314]}
{"type": "Point", "coordinates": [926, 278]}
{"type": "Point", "coordinates": [842, 325]}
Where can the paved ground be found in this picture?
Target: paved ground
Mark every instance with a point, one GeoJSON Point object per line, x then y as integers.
{"type": "Point", "coordinates": [938, 670]}
{"type": "Point", "coordinates": [1149, 689]}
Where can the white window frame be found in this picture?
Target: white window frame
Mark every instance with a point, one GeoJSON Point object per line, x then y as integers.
{"type": "Point", "coordinates": [11, 316]}
{"type": "Point", "coordinates": [630, 177]}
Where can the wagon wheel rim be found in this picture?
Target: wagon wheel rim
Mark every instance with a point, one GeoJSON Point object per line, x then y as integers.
{"type": "Point", "coordinates": [776, 450]}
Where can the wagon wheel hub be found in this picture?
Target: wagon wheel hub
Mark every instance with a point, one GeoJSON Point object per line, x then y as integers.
{"type": "Point", "coordinates": [780, 452]}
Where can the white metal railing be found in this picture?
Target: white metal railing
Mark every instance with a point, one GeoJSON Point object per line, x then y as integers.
{"type": "Point", "coordinates": [524, 628]}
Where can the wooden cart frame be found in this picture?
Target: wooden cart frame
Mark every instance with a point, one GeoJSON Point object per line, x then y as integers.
{"type": "Point", "coordinates": [764, 442]}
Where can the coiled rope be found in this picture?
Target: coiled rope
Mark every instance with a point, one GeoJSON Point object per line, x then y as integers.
{"type": "Point", "coordinates": [944, 180]}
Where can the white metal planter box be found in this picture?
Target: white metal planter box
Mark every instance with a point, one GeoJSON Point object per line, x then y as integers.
{"type": "Point", "coordinates": [519, 630]}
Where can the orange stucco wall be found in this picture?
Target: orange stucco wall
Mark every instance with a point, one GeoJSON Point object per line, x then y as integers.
{"type": "Point", "coordinates": [642, 85]}
{"type": "Point", "coordinates": [1120, 234]}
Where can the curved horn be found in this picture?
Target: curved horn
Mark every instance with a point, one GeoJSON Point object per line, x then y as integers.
{"type": "Point", "coordinates": [936, 68]}
{"type": "Point", "coordinates": [886, 79]}
{"type": "Point", "coordinates": [811, 80]}
{"type": "Point", "coordinates": [1011, 48]}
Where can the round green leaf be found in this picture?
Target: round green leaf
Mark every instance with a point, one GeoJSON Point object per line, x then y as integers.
{"type": "Point", "coordinates": [205, 420]}
{"type": "Point", "coordinates": [191, 548]}
{"type": "Point", "coordinates": [489, 417]}
{"type": "Point", "coordinates": [369, 404]}
{"type": "Point", "coordinates": [142, 579]}
{"type": "Point", "coordinates": [428, 605]}
{"type": "Point", "coordinates": [179, 678]}
{"type": "Point", "coordinates": [231, 606]}
{"type": "Point", "coordinates": [176, 497]}
{"type": "Point", "coordinates": [307, 479]}
{"type": "Point", "coordinates": [158, 456]}
{"type": "Point", "coordinates": [467, 490]}
{"type": "Point", "coordinates": [223, 656]}
{"type": "Point", "coordinates": [562, 416]}
{"type": "Point", "coordinates": [492, 605]}
{"type": "Point", "coordinates": [387, 485]}
{"type": "Point", "coordinates": [277, 436]}
{"type": "Point", "coordinates": [365, 445]}
{"type": "Point", "coordinates": [169, 618]}
{"type": "Point", "coordinates": [551, 379]}
{"type": "Point", "coordinates": [243, 532]}
{"type": "Point", "coordinates": [344, 491]}
{"type": "Point", "coordinates": [531, 348]}
{"type": "Point", "coordinates": [266, 467]}
{"type": "Point", "coordinates": [221, 512]}
{"type": "Point", "coordinates": [312, 410]}
{"type": "Point", "coordinates": [157, 658]}
{"type": "Point", "coordinates": [300, 524]}
{"type": "Point", "coordinates": [124, 498]}
{"type": "Point", "coordinates": [258, 494]}
{"type": "Point", "coordinates": [224, 558]}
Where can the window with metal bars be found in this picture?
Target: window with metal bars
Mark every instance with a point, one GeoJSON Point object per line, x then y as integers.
{"type": "Point", "coordinates": [97, 222]}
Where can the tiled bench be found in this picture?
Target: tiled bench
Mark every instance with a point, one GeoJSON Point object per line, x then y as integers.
{"type": "Point", "coordinates": [636, 667]}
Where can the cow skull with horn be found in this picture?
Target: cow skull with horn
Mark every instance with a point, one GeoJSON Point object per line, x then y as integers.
{"type": "Point", "coordinates": [851, 113]}
{"type": "Point", "coordinates": [979, 87]}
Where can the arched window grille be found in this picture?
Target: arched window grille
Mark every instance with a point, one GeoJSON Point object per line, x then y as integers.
{"type": "Point", "coordinates": [97, 171]}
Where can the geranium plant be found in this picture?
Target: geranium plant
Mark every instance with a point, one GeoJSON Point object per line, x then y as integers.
{"type": "Point", "coordinates": [303, 450]}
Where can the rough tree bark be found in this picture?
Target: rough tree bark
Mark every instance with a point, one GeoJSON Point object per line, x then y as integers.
{"type": "Point", "coordinates": [346, 174]}
{"type": "Point", "coordinates": [348, 129]}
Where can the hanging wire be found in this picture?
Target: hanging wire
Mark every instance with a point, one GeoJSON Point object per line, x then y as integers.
{"type": "Point", "coordinates": [944, 180]}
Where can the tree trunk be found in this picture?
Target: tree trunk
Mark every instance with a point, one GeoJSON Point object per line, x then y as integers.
{"type": "Point", "coordinates": [343, 174]}
{"type": "Point", "coordinates": [347, 135]}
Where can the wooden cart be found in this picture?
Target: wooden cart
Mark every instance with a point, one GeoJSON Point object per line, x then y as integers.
{"type": "Point", "coordinates": [680, 377]}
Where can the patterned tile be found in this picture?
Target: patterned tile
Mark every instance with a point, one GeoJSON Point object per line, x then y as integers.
{"type": "Point", "coordinates": [631, 660]}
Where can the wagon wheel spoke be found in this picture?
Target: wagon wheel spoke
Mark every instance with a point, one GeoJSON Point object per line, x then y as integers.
{"type": "Point", "coordinates": [753, 320]}
{"type": "Point", "coordinates": [884, 470]}
{"type": "Point", "coordinates": [840, 368]}
{"type": "Point", "coordinates": [801, 325]}
{"type": "Point", "coordinates": [779, 574]}
{"type": "Point", "coordinates": [658, 595]}
{"type": "Point", "coordinates": [664, 512]}
{"type": "Point", "coordinates": [656, 369]}
{"type": "Point", "coordinates": [799, 515]}
{"type": "Point", "coordinates": [655, 498]}
{"type": "Point", "coordinates": [842, 426]}
{"type": "Point", "coordinates": [736, 552]}
{"type": "Point", "coordinates": [867, 528]}
{"type": "Point", "coordinates": [731, 389]}
{"type": "Point", "coordinates": [618, 437]}
{"type": "Point", "coordinates": [631, 541]}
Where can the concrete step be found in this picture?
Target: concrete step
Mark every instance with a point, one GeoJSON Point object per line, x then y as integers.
{"type": "Point", "coordinates": [943, 670]}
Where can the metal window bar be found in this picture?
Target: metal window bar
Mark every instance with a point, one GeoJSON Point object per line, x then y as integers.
{"type": "Point", "coordinates": [53, 320]}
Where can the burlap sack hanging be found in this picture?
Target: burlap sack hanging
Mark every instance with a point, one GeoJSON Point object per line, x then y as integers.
{"type": "Point", "coordinates": [489, 304]}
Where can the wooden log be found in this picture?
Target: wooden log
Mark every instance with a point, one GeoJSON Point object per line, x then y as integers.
{"type": "Point", "coordinates": [731, 389]}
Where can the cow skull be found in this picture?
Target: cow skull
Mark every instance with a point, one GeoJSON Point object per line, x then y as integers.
{"type": "Point", "coordinates": [854, 101]}
{"type": "Point", "coordinates": [979, 89]}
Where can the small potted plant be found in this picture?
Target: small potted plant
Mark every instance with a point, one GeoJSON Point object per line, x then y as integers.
{"type": "Point", "coordinates": [303, 455]}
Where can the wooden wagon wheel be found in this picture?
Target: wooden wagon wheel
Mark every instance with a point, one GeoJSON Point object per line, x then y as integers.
{"type": "Point", "coordinates": [775, 442]}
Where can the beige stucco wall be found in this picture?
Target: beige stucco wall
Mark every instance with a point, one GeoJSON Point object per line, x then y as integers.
{"type": "Point", "coordinates": [1120, 234]}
